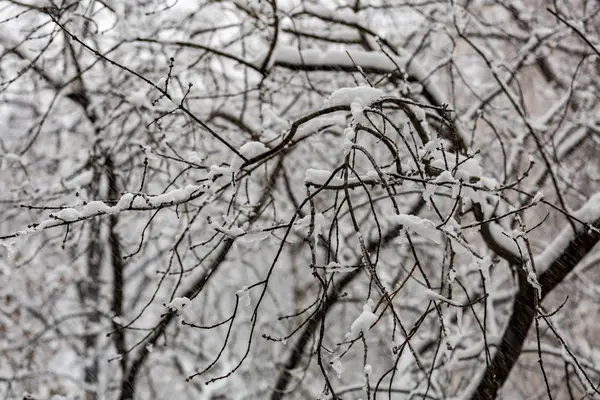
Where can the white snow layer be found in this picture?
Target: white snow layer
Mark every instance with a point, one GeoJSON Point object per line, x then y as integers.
{"type": "Point", "coordinates": [589, 213]}
{"type": "Point", "coordinates": [128, 201]}
{"type": "Point", "coordinates": [420, 226]}
{"type": "Point", "coordinates": [363, 323]}
{"type": "Point", "coordinates": [178, 304]}
{"type": "Point", "coordinates": [348, 95]}
{"type": "Point", "coordinates": [253, 149]}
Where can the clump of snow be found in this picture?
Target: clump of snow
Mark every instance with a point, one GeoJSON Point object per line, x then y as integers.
{"type": "Point", "coordinates": [368, 370]}
{"type": "Point", "coordinates": [362, 324]}
{"type": "Point", "coordinates": [290, 56]}
{"type": "Point", "coordinates": [127, 201]}
{"type": "Point", "coordinates": [348, 142]}
{"type": "Point", "coordinates": [440, 183]}
{"type": "Point", "coordinates": [221, 175]}
{"type": "Point", "coordinates": [418, 225]}
{"type": "Point", "coordinates": [96, 207]}
{"type": "Point", "coordinates": [357, 109]}
{"type": "Point", "coordinates": [178, 304]}
{"type": "Point", "coordinates": [249, 151]}
{"type": "Point", "coordinates": [253, 149]}
{"type": "Point", "coordinates": [67, 215]}
{"type": "Point", "coordinates": [317, 176]}
{"type": "Point", "coordinates": [346, 96]}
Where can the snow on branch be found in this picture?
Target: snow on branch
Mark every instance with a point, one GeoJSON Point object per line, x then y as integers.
{"type": "Point", "coordinates": [588, 213]}
{"type": "Point", "coordinates": [315, 59]}
{"type": "Point", "coordinates": [127, 202]}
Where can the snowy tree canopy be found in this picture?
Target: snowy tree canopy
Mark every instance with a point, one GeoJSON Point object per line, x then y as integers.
{"type": "Point", "coordinates": [299, 199]}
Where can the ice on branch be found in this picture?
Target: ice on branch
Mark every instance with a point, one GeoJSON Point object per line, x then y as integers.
{"type": "Point", "coordinates": [363, 323]}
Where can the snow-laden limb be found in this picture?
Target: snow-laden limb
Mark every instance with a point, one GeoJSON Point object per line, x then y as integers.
{"type": "Point", "coordinates": [127, 202]}
{"type": "Point", "coordinates": [317, 59]}
{"type": "Point", "coordinates": [588, 213]}
{"type": "Point", "coordinates": [562, 256]}
{"type": "Point", "coordinates": [514, 245]}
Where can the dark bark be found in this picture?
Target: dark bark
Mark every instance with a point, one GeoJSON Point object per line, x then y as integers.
{"type": "Point", "coordinates": [118, 265]}
{"type": "Point", "coordinates": [89, 294]}
{"type": "Point", "coordinates": [523, 313]}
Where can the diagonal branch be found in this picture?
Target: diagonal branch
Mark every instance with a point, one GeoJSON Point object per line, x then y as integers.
{"type": "Point", "coordinates": [523, 314]}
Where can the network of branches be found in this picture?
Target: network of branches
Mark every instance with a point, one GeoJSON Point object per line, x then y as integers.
{"type": "Point", "coordinates": [285, 199]}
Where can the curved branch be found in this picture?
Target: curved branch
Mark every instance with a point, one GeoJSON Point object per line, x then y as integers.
{"type": "Point", "coordinates": [523, 313]}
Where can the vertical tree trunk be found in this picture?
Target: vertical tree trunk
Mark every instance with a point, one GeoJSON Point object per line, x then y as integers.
{"type": "Point", "coordinates": [90, 296]}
